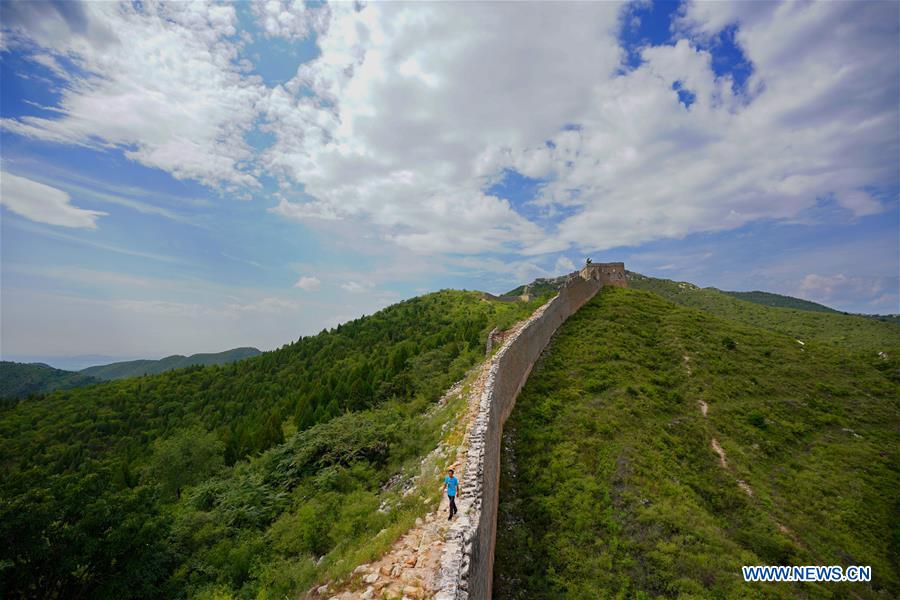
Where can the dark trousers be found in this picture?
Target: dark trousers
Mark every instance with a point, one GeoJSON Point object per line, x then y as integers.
{"type": "Point", "coordinates": [453, 510]}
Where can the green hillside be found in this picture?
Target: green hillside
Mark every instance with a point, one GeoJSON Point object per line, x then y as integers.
{"type": "Point", "coordinates": [611, 485]}
{"type": "Point", "coordinates": [18, 380]}
{"type": "Point", "coordinates": [312, 508]}
{"type": "Point", "coordinates": [136, 368]}
{"type": "Point", "coordinates": [856, 333]}
{"type": "Point", "coordinates": [779, 301]}
{"type": "Point", "coordinates": [154, 486]}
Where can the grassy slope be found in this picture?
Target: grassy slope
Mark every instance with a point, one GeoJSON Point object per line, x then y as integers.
{"type": "Point", "coordinates": [779, 301]}
{"type": "Point", "coordinates": [136, 368]}
{"type": "Point", "coordinates": [852, 332]}
{"type": "Point", "coordinates": [18, 380]}
{"type": "Point", "coordinates": [611, 488]}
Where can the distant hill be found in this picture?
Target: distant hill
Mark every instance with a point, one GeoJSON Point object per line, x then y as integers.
{"type": "Point", "coordinates": [68, 362]}
{"type": "Point", "coordinates": [18, 380]}
{"type": "Point", "coordinates": [539, 287]}
{"type": "Point", "coordinates": [893, 318]}
{"type": "Point", "coordinates": [779, 301]}
{"type": "Point", "coordinates": [861, 333]}
{"type": "Point", "coordinates": [136, 368]}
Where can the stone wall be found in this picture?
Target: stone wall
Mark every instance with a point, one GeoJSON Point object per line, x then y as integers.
{"type": "Point", "coordinates": [466, 571]}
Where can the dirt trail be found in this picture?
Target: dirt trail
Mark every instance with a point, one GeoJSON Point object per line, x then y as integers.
{"type": "Point", "coordinates": [745, 487]}
{"type": "Point", "coordinates": [410, 568]}
{"type": "Point", "coordinates": [713, 442]}
{"type": "Point", "coordinates": [723, 462]}
{"type": "Point", "coordinates": [717, 448]}
{"type": "Point", "coordinates": [687, 365]}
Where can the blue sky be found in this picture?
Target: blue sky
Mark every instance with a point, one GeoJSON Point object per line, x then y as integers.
{"type": "Point", "coordinates": [182, 178]}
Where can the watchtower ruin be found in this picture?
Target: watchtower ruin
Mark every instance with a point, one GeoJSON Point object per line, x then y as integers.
{"type": "Point", "coordinates": [605, 273]}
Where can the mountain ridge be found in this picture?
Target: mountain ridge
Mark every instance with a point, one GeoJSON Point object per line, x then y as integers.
{"type": "Point", "coordinates": [18, 380]}
{"type": "Point", "coordinates": [21, 379]}
{"type": "Point", "coordinates": [780, 301]}
{"type": "Point", "coordinates": [136, 368]}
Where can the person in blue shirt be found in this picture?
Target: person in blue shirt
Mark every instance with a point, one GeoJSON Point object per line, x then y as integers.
{"type": "Point", "coordinates": [451, 484]}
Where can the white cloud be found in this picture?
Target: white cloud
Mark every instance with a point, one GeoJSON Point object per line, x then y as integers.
{"type": "Point", "coordinates": [859, 202]}
{"type": "Point", "coordinates": [134, 199]}
{"type": "Point", "coordinates": [158, 81]}
{"type": "Point", "coordinates": [564, 265]}
{"type": "Point", "coordinates": [841, 289]}
{"type": "Point", "coordinates": [646, 167]}
{"type": "Point", "coordinates": [496, 275]}
{"type": "Point", "coordinates": [301, 211]}
{"type": "Point", "coordinates": [822, 286]}
{"type": "Point", "coordinates": [357, 287]}
{"type": "Point", "coordinates": [309, 284]}
{"type": "Point", "coordinates": [406, 98]}
{"type": "Point", "coordinates": [43, 203]}
{"type": "Point", "coordinates": [415, 109]}
{"type": "Point", "coordinates": [270, 305]}
{"type": "Point", "coordinates": [291, 19]}
{"type": "Point", "coordinates": [411, 111]}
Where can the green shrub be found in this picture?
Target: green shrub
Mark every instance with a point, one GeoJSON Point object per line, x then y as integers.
{"type": "Point", "coordinates": [757, 419]}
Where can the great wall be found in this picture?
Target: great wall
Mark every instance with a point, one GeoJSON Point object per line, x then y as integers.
{"type": "Point", "coordinates": [466, 568]}
{"type": "Point", "coordinates": [456, 562]}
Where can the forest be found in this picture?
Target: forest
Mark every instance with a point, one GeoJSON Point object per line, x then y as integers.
{"type": "Point", "coordinates": [202, 481]}
{"type": "Point", "coordinates": [19, 380]}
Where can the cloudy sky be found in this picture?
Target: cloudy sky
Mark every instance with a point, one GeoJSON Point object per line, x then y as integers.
{"type": "Point", "coordinates": [191, 177]}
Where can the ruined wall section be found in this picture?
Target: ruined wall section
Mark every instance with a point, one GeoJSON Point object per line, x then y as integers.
{"type": "Point", "coordinates": [466, 570]}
